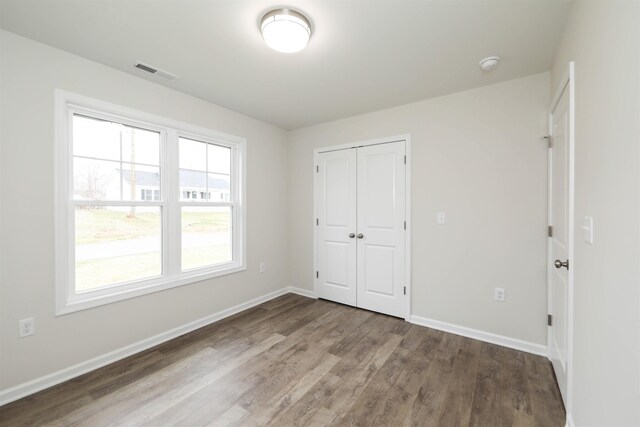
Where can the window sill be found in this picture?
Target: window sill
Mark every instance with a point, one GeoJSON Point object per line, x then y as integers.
{"type": "Point", "coordinates": [89, 300]}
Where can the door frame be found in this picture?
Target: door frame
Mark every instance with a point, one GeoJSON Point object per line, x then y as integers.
{"type": "Point", "coordinates": [407, 242]}
{"type": "Point", "coordinates": [566, 83]}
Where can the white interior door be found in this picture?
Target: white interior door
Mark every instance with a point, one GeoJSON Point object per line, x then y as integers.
{"type": "Point", "coordinates": [381, 228]}
{"type": "Point", "coordinates": [561, 194]}
{"type": "Point", "coordinates": [336, 225]}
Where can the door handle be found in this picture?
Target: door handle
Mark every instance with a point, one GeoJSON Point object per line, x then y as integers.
{"type": "Point", "coordinates": [560, 264]}
{"type": "Point", "coordinates": [352, 235]}
{"type": "Point", "coordinates": [360, 235]}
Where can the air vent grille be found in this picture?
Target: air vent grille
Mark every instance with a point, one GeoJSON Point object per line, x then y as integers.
{"type": "Point", "coordinates": [155, 71]}
{"type": "Point", "coordinates": [145, 68]}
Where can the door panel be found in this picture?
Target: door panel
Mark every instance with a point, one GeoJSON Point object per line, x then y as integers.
{"type": "Point", "coordinates": [377, 194]}
{"type": "Point", "coordinates": [336, 210]}
{"type": "Point", "coordinates": [381, 215]}
{"type": "Point", "coordinates": [337, 265]}
{"type": "Point", "coordinates": [561, 221]}
{"type": "Point", "coordinates": [378, 266]}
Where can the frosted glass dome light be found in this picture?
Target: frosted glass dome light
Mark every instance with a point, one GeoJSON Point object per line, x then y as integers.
{"type": "Point", "coordinates": [285, 30]}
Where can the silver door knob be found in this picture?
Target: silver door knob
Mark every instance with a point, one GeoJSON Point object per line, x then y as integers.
{"type": "Point", "coordinates": [360, 235]}
{"type": "Point", "coordinates": [352, 235]}
{"type": "Point", "coordinates": [560, 264]}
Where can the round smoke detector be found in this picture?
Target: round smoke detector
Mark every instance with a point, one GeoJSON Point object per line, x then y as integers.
{"type": "Point", "coordinates": [489, 63]}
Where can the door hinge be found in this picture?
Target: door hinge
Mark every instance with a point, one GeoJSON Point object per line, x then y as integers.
{"type": "Point", "coordinates": [405, 225]}
{"type": "Point", "coordinates": [317, 221]}
{"type": "Point", "coordinates": [550, 231]}
{"type": "Point", "coordinates": [405, 290]}
{"type": "Point", "coordinates": [405, 160]}
{"type": "Point", "coordinates": [317, 168]}
{"type": "Point", "coordinates": [317, 275]}
{"type": "Point", "coordinates": [549, 320]}
{"type": "Point", "coordinates": [549, 140]}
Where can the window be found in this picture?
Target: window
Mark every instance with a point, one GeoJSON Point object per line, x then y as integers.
{"type": "Point", "coordinates": [205, 166]}
{"type": "Point", "coordinates": [149, 194]}
{"type": "Point", "coordinates": [134, 206]}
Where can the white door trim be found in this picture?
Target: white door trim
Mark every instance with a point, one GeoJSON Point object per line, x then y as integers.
{"type": "Point", "coordinates": [568, 83]}
{"type": "Point", "coordinates": [407, 139]}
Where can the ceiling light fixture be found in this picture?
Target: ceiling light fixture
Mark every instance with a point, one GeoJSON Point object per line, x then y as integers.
{"type": "Point", "coordinates": [285, 30]}
{"type": "Point", "coordinates": [489, 63]}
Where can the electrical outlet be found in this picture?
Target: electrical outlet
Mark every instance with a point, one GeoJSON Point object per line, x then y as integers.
{"type": "Point", "coordinates": [441, 218]}
{"type": "Point", "coordinates": [499, 294]}
{"type": "Point", "coordinates": [27, 327]}
{"type": "Point", "coordinates": [263, 267]}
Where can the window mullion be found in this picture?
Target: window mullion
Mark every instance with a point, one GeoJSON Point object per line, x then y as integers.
{"type": "Point", "coordinates": [210, 204]}
{"type": "Point", "coordinates": [172, 195]}
{"type": "Point", "coordinates": [235, 198]}
{"type": "Point", "coordinates": [115, 203]}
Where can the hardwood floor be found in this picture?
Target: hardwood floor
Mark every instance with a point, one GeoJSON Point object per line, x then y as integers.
{"type": "Point", "coordinates": [304, 362]}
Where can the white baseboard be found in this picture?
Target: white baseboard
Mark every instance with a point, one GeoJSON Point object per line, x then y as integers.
{"type": "Point", "coordinates": [301, 291]}
{"type": "Point", "coordinates": [516, 344]}
{"type": "Point", "coordinates": [38, 384]}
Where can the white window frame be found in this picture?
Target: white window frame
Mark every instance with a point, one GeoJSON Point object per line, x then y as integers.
{"type": "Point", "coordinates": [67, 299]}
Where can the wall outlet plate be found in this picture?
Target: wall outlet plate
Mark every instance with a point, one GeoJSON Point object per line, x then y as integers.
{"type": "Point", "coordinates": [499, 294]}
{"type": "Point", "coordinates": [27, 327]}
{"type": "Point", "coordinates": [441, 218]}
{"type": "Point", "coordinates": [263, 267]}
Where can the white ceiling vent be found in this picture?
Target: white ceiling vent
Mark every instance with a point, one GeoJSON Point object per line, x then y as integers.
{"type": "Point", "coordinates": [155, 71]}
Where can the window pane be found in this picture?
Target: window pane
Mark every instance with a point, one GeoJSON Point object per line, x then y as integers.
{"type": "Point", "coordinates": [140, 146]}
{"type": "Point", "coordinates": [206, 236]}
{"type": "Point", "coordinates": [219, 187]}
{"type": "Point", "coordinates": [96, 179]}
{"type": "Point", "coordinates": [137, 177]}
{"type": "Point", "coordinates": [193, 154]}
{"type": "Point", "coordinates": [96, 138]}
{"type": "Point", "coordinates": [116, 244]}
{"type": "Point", "coordinates": [192, 184]}
{"type": "Point", "coordinates": [219, 159]}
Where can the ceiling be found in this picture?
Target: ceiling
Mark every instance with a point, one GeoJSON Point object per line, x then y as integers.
{"type": "Point", "coordinates": [363, 55]}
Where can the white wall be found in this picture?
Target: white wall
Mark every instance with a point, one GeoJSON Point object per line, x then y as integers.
{"type": "Point", "coordinates": [603, 38]}
{"type": "Point", "coordinates": [30, 73]}
{"type": "Point", "coordinates": [477, 155]}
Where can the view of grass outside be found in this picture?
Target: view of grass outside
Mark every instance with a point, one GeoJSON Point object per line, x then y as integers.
{"type": "Point", "coordinates": [106, 225]}
{"type": "Point", "coordinates": [206, 236]}
{"type": "Point", "coordinates": [113, 246]}
{"type": "Point", "coordinates": [95, 273]}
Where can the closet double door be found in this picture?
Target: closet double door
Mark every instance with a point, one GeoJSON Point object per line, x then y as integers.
{"type": "Point", "coordinates": [360, 196]}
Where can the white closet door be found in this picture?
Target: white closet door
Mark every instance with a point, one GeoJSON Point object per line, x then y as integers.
{"type": "Point", "coordinates": [336, 211]}
{"type": "Point", "coordinates": [381, 233]}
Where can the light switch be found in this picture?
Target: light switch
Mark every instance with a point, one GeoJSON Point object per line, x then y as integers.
{"type": "Point", "coordinates": [587, 229]}
{"type": "Point", "coordinates": [441, 218]}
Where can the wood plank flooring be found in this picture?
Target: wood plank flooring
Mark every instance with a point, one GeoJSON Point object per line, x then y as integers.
{"type": "Point", "coordinates": [295, 361]}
